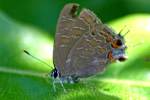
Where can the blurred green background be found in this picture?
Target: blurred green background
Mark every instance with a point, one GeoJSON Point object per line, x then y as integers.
{"type": "Point", "coordinates": [44, 13]}
{"type": "Point", "coordinates": [31, 24]}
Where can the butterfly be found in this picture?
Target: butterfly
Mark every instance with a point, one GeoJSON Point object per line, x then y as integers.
{"type": "Point", "coordinates": [83, 45]}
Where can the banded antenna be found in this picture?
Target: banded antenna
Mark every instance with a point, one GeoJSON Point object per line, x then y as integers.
{"type": "Point", "coordinates": [137, 44]}
{"type": "Point", "coordinates": [25, 51]}
{"type": "Point", "coordinates": [124, 33]}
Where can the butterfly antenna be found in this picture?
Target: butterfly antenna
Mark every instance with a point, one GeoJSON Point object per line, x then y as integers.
{"type": "Point", "coordinates": [126, 33]}
{"type": "Point", "coordinates": [36, 58]}
{"type": "Point", "coordinates": [122, 29]}
{"type": "Point", "coordinates": [137, 44]}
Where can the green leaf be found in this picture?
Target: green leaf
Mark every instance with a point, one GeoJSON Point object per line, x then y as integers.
{"type": "Point", "coordinates": [24, 78]}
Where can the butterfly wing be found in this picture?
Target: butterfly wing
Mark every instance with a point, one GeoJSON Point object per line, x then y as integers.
{"type": "Point", "coordinates": [89, 54]}
{"type": "Point", "coordinates": [69, 29]}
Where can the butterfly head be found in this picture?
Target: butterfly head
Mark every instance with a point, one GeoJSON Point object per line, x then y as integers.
{"type": "Point", "coordinates": [118, 48]}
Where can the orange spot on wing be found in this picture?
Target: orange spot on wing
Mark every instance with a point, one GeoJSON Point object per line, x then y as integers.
{"type": "Point", "coordinates": [110, 56]}
{"type": "Point", "coordinates": [114, 45]}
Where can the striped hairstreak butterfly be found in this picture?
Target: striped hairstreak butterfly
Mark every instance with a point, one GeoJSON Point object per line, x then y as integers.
{"type": "Point", "coordinates": [83, 45]}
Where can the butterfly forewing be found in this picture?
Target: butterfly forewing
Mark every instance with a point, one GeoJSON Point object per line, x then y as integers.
{"type": "Point", "coordinates": [69, 29]}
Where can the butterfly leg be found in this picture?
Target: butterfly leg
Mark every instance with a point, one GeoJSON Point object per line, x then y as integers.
{"type": "Point", "coordinates": [56, 78]}
{"type": "Point", "coordinates": [62, 85]}
{"type": "Point", "coordinates": [75, 79]}
{"type": "Point", "coordinates": [54, 87]}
